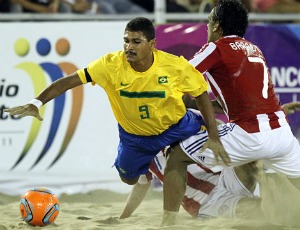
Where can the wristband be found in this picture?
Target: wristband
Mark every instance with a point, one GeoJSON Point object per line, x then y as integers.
{"type": "Point", "coordinates": [37, 103]}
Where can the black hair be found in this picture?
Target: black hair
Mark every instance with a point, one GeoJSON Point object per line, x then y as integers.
{"type": "Point", "coordinates": [232, 16]}
{"type": "Point", "coordinates": [143, 25]}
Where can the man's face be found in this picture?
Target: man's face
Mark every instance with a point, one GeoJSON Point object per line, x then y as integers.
{"type": "Point", "coordinates": [137, 47]}
{"type": "Point", "coordinates": [212, 27]}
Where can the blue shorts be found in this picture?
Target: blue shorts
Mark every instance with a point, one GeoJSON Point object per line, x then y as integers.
{"type": "Point", "coordinates": [136, 152]}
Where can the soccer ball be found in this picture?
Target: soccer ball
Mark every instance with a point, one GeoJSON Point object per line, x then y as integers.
{"type": "Point", "coordinates": [39, 207]}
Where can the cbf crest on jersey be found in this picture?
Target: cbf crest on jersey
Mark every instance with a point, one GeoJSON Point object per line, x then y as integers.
{"type": "Point", "coordinates": [162, 79]}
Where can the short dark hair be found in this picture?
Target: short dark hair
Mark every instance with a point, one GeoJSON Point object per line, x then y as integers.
{"type": "Point", "coordinates": [232, 16]}
{"type": "Point", "coordinates": [143, 25]}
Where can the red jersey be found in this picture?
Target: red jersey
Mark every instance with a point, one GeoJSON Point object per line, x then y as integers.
{"type": "Point", "coordinates": [240, 80]}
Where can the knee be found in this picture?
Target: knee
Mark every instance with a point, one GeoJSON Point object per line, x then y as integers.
{"type": "Point", "coordinates": [176, 159]}
{"type": "Point", "coordinates": [129, 181]}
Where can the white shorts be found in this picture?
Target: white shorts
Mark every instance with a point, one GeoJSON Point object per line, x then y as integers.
{"type": "Point", "coordinates": [224, 197]}
{"type": "Point", "coordinates": [277, 149]}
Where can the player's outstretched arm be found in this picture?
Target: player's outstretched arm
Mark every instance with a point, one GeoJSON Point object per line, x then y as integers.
{"type": "Point", "coordinates": [191, 103]}
{"type": "Point", "coordinates": [214, 143]}
{"type": "Point", "coordinates": [135, 198]}
{"type": "Point", "coordinates": [292, 107]}
{"type": "Point", "coordinates": [54, 90]}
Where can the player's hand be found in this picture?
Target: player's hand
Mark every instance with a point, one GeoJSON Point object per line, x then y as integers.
{"type": "Point", "coordinates": [292, 107]}
{"type": "Point", "coordinates": [217, 148]}
{"type": "Point", "coordinates": [24, 110]}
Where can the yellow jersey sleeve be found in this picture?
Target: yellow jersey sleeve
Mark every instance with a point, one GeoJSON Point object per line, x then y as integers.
{"type": "Point", "coordinates": [95, 72]}
{"type": "Point", "coordinates": [191, 80]}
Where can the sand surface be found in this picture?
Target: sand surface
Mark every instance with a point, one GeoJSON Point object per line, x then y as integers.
{"type": "Point", "coordinates": [100, 209]}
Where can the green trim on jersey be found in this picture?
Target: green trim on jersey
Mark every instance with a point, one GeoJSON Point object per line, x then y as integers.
{"type": "Point", "coordinates": [145, 94]}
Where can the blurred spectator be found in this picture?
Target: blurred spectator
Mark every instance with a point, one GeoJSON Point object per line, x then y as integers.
{"type": "Point", "coordinates": [4, 6]}
{"type": "Point", "coordinates": [191, 5]}
{"type": "Point", "coordinates": [248, 4]}
{"type": "Point", "coordinates": [77, 6]}
{"type": "Point", "coordinates": [172, 6]}
{"type": "Point", "coordinates": [207, 5]}
{"type": "Point", "coordinates": [104, 7]}
{"type": "Point", "coordinates": [148, 5]}
{"type": "Point", "coordinates": [276, 6]}
{"type": "Point", "coordinates": [36, 6]}
{"type": "Point", "coordinates": [186, 5]}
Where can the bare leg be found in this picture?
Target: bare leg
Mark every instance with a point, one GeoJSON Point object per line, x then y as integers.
{"type": "Point", "coordinates": [249, 207]}
{"type": "Point", "coordinates": [174, 185]}
{"type": "Point", "coordinates": [135, 198]}
{"type": "Point", "coordinates": [248, 174]}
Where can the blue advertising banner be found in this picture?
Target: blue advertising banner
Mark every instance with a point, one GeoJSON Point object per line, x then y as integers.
{"type": "Point", "coordinates": [279, 43]}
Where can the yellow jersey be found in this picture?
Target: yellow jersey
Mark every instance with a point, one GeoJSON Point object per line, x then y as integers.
{"type": "Point", "coordinates": [145, 103]}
